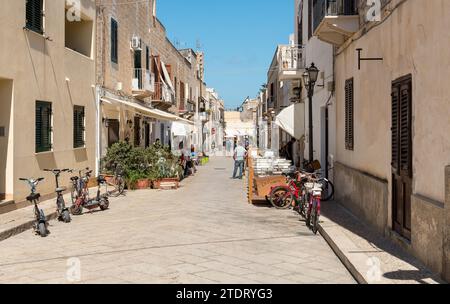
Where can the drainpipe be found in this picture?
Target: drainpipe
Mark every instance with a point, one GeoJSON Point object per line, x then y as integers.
{"type": "Point", "coordinates": [98, 137]}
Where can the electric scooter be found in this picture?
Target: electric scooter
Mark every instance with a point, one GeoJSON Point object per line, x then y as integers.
{"type": "Point", "coordinates": [41, 224]}
{"type": "Point", "coordinates": [61, 209]}
{"type": "Point", "coordinates": [82, 201]}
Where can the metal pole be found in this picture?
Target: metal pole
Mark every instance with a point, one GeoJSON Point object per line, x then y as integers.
{"type": "Point", "coordinates": [311, 142]}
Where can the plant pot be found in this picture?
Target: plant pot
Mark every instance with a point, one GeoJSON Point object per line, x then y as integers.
{"type": "Point", "coordinates": [166, 183]}
{"type": "Point", "coordinates": [143, 184]}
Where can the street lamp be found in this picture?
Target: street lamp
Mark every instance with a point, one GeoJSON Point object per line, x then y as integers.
{"type": "Point", "coordinates": [309, 80]}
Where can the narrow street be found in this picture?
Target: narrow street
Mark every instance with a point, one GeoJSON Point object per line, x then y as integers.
{"type": "Point", "coordinates": [205, 232]}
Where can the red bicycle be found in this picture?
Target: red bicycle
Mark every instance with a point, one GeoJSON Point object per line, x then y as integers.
{"type": "Point", "coordinates": [291, 195]}
{"type": "Point", "coordinates": [314, 190]}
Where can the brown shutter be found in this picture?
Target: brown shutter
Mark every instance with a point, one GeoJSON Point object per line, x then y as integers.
{"type": "Point", "coordinates": [405, 129]}
{"type": "Point", "coordinates": [349, 119]}
{"type": "Point", "coordinates": [395, 128]}
{"type": "Point", "coordinates": [401, 126]}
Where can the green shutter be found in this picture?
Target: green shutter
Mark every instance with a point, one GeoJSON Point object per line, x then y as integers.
{"type": "Point", "coordinates": [114, 41]}
{"type": "Point", "coordinates": [43, 126]}
{"type": "Point", "coordinates": [34, 16]}
{"type": "Point", "coordinates": [78, 127]}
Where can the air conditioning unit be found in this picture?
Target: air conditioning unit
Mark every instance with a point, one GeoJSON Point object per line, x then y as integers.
{"type": "Point", "coordinates": [119, 86]}
{"type": "Point", "coordinates": [136, 43]}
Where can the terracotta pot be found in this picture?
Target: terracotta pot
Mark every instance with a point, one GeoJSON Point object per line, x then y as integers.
{"type": "Point", "coordinates": [174, 181]}
{"type": "Point", "coordinates": [143, 184]}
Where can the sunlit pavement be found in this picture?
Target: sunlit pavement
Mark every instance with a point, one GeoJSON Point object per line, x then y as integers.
{"type": "Point", "coordinates": [205, 232]}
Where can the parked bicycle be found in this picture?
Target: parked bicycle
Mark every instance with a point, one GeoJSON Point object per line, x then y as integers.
{"type": "Point", "coordinates": [313, 213]}
{"type": "Point", "coordinates": [117, 181]}
{"type": "Point", "coordinates": [82, 201]}
{"type": "Point", "coordinates": [61, 209]}
{"type": "Point", "coordinates": [40, 226]}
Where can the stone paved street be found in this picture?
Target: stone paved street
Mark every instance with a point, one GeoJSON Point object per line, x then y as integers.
{"type": "Point", "coordinates": [204, 232]}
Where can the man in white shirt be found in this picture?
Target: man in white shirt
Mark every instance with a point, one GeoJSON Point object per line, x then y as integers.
{"type": "Point", "coordinates": [239, 158]}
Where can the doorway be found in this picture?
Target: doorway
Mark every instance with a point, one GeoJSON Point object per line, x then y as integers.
{"type": "Point", "coordinates": [113, 131]}
{"type": "Point", "coordinates": [402, 166]}
{"type": "Point", "coordinates": [147, 134]}
{"type": "Point", "coordinates": [6, 91]}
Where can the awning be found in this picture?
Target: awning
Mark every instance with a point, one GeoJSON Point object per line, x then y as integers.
{"type": "Point", "coordinates": [179, 129]}
{"type": "Point", "coordinates": [154, 113]}
{"type": "Point", "coordinates": [167, 77]}
{"type": "Point", "coordinates": [291, 120]}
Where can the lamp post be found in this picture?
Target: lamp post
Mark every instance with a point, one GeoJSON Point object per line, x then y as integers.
{"type": "Point", "coordinates": [309, 80]}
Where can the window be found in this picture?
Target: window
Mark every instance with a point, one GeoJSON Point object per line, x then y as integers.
{"type": "Point", "coordinates": [114, 41]}
{"type": "Point", "coordinates": [147, 58]}
{"type": "Point", "coordinates": [78, 127]}
{"type": "Point", "coordinates": [349, 123]}
{"type": "Point", "coordinates": [34, 15]}
{"type": "Point", "coordinates": [43, 126]}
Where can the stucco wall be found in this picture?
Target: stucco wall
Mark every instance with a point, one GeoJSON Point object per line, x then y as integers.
{"type": "Point", "coordinates": [446, 220]}
{"type": "Point", "coordinates": [38, 69]}
{"type": "Point", "coordinates": [364, 195]}
{"type": "Point", "coordinates": [413, 40]}
{"type": "Point", "coordinates": [427, 235]}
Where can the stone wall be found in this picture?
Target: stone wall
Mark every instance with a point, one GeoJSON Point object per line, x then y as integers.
{"type": "Point", "coordinates": [134, 18]}
{"type": "Point", "coordinates": [427, 231]}
{"type": "Point", "coordinates": [364, 195]}
{"type": "Point", "coordinates": [446, 248]}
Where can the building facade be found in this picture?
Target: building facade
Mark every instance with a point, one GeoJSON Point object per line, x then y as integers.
{"type": "Point", "coordinates": [392, 119]}
{"type": "Point", "coordinates": [47, 74]}
{"type": "Point", "coordinates": [145, 84]}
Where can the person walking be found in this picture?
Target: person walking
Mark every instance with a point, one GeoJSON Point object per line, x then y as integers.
{"type": "Point", "coordinates": [239, 157]}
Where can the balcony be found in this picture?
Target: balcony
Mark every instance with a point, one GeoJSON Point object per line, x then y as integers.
{"type": "Point", "coordinates": [143, 84]}
{"type": "Point", "coordinates": [335, 21]}
{"type": "Point", "coordinates": [163, 97]}
{"type": "Point", "coordinates": [291, 62]}
{"type": "Point", "coordinates": [187, 109]}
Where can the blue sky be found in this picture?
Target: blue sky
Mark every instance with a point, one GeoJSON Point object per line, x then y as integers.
{"type": "Point", "coordinates": [238, 37]}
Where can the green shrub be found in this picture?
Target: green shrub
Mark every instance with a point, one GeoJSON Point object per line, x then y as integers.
{"type": "Point", "coordinates": [155, 162]}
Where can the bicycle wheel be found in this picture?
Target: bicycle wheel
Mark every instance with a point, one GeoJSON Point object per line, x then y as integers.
{"type": "Point", "coordinates": [327, 190]}
{"type": "Point", "coordinates": [119, 187]}
{"type": "Point", "coordinates": [315, 219]}
{"type": "Point", "coordinates": [73, 195]}
{"type": "Point", "coordinates": [280, 197]}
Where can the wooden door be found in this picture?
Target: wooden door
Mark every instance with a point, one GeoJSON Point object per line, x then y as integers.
{"type": "Point", "coordinates": [402, 169]}
{"type": "Point", "coordinates": [113, 132]}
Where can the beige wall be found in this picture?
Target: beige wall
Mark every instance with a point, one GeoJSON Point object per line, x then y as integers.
{"type": "Point", "coordinates": [414, 40]}
{"type": "Point", "coordinates": [38, 69]}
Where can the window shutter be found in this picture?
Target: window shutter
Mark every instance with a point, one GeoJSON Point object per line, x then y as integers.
{"type": "Point", "coordinates": [34, 15]}
{"type": "Point", "coordinates": [395, 128]}
{"type": "Point", "coordinates": [43, 126]}
{"type": "Point", "coordinates": [405, 129]}
{"type": "Point", "coordinates": [349, 119]}
{"type": "Point", "coordinates": [137, 131]}
{"type": "Point", "coordinates": [401, 126]}
{"type": "Point", "coordinates": [114, 41]}
{"type": "Point", "coordinates": [78, 127]}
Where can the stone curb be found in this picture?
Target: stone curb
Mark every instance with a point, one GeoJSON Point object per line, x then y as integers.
{"type": "Point", "coordinates": [23, 227]}
{"type": "Point", "coordinates": [357, 275]}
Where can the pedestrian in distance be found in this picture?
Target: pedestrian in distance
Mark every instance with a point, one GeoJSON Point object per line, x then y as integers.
{"type": "Point", "coordinates": [239, 157]}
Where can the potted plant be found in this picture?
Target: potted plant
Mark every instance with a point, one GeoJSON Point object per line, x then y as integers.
{"type": "Point", "coordinates": [168, 173]}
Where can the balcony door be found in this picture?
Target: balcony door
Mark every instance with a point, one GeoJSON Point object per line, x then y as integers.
{"type": "Point", "coordinates": [138, 68]}
{"type": "Point", "coordinates": [402, 168]}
